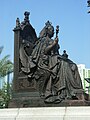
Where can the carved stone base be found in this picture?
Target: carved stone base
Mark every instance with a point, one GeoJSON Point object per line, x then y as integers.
{"type": "Point", "coordinates": [33, 99]}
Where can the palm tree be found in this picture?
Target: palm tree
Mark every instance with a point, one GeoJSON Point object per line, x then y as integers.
{"type": "Point", "coordinates": [6, 66]}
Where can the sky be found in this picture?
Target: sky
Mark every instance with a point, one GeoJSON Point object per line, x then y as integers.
{"type": "Point", "coordinates": [70, 15]}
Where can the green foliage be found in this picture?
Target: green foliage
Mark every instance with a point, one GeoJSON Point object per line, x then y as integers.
{"type": "Point", "coordinates": [5, 65]}
{"type": "Point", "coordinates": [5, 95]}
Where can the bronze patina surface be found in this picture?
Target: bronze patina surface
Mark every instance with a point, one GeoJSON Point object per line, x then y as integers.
{"type": "Point", "coordinates": [42, 76]}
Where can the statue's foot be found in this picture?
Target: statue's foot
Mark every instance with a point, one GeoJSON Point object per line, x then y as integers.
{"type": "Point", "coordinates": [49, 100]}
{"type": "Point", "coordinates": [57, 100]}
{"type": "Point", "coordinates": [81, 97]}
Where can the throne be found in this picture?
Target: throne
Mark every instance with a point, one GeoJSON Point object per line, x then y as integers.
{"type": "Point", "coordinates": [24, 88]}
{"type": "Point", "coordinates": [24, 40]}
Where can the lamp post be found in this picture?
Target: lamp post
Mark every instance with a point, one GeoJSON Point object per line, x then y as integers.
{"type": "Point", "coordinates": [88, 2]}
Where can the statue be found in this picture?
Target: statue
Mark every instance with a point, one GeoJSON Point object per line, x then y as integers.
{"type": "Point", "coordinates": [57, 75]}
{"type": "Point", "coordinates": [42, 76]}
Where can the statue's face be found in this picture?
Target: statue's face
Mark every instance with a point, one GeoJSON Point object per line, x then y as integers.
{"type": "Point", "coordinates": [51, 31]}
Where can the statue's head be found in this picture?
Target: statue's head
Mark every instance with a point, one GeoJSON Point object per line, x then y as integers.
{"type": "Point", "coordinates": [47, 30]}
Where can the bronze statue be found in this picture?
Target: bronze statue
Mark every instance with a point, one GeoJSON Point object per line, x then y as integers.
{"type": "Point", "coordinates": [42, 76]}
{"type": "Point", "coordinates": [57, 75]}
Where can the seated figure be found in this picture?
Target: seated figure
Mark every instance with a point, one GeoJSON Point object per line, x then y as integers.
{"type": "Point", "coordinates": [57, 75]}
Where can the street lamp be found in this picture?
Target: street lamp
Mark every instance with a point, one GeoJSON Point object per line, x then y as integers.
{"type": "Point", "coordinates": [88, 5]}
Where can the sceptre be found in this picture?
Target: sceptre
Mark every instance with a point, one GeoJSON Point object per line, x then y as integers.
{"type": "Point", "coordinates": [57, 30]}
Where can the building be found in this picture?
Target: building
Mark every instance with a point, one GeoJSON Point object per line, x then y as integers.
{"type": "Point", "coordinates": [84, 73]}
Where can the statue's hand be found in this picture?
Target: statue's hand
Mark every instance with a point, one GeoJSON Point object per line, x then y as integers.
{"type": "Point", "coordinates": [56, 40]}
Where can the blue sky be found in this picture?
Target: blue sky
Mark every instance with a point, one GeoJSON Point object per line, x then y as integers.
{"type": "Point", "coordinates": [70, 15]}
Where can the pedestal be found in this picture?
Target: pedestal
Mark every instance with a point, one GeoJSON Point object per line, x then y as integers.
{"type": "Point", "coordinates": [46, 113]}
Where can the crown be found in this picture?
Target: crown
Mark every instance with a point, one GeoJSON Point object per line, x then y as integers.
{"type": "Point", "coordinates": [48, 24]}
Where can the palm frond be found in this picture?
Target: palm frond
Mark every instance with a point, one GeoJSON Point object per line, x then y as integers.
{"type": "Point", "coordinates": [1, 48]}
{"type": "Point", "coordinates": [4, 60]}
{"type": "Point", "coordinates": [5, 65]}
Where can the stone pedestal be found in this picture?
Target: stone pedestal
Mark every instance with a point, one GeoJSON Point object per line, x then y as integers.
{"type": "Point", "coordinates": [26, 100]}
{"type": "Point", "coordinates": [46, 113]}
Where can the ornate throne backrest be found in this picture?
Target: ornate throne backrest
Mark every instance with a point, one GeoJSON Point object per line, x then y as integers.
{"type": "Point", "coordinates": [29, 36]}
{"type": "Point", "coordinates": [24, 35]}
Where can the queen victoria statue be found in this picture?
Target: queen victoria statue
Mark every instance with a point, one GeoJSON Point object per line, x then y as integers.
{"type": "Point", "coordinates": [41, 73]}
